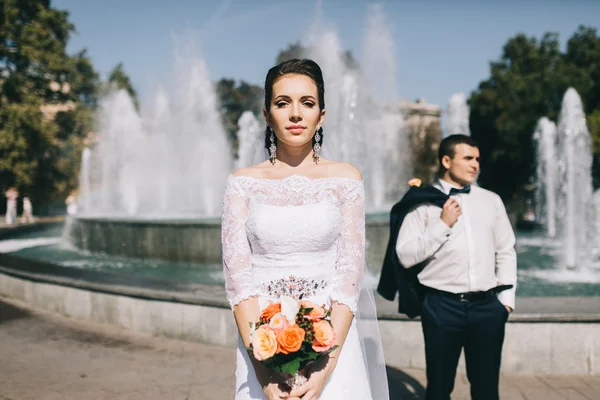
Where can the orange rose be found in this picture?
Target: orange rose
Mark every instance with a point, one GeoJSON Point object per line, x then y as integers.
{"type": "Point", "coordinates": [415, 182]}
{"type": "Point", "coordinates": [264, 343]}
{"type": "Point", "coordinates": [317, 312]}
{"type": "Point", "coordinates": [324, 336]}
{"type": "Point", "coordinates": [290, 339]}
{"type": "Point", "coordinates": [278, 322]}
{"type": "Point", "coordinates": [270, 310]}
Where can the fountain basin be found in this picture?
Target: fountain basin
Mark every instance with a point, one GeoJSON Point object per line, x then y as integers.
{"type": "Point", "coordinates": [183, 240]}
{"type": "Point", "coordinates": [190, 250]}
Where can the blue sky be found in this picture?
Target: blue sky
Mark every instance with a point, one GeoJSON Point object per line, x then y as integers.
{"type": "Point", "coordinates": [442, 47]}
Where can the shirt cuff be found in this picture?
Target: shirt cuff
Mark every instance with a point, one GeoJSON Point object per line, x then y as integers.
{"type": "Point", "coordinates": [438, 231]}
{"type": "Point", "coordinates": [507, 297]}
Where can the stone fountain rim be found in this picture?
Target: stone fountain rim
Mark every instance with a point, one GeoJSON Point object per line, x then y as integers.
{"type": "Point", "coordinates": [140, 221]}
{"type": "Point", "coordinates": [214, 295]}
{"type": "Point", "coordinates": [196, 221]}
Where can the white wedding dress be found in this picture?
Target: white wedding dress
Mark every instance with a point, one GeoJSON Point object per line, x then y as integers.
{"type": "Point", "coordinates": [298, 236]}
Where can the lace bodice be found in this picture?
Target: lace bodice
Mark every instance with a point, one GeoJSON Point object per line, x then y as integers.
{"type": "Point", "coordinates": [296, 236]}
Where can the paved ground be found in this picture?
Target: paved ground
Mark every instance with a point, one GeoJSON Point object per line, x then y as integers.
{"type": "Point", "coordinates": [46, 357]}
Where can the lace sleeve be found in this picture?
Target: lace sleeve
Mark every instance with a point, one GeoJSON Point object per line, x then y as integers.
{"type": "Point", "coordinates": [351, 247]}
{"type": "Point", "coordinates": [237, 268]}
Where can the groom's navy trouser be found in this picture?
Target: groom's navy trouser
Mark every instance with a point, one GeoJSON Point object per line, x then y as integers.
{"type": "Point", "coordinates": [450, 323]}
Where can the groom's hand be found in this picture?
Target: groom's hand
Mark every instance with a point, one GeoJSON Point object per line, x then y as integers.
{"type": "Point", "coordinates": [450, 212]}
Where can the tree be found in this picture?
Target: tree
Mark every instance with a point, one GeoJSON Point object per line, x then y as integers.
{"type": "Point", "coordinates": [526, 83]}
{"type": "Point", "coordinates": [234, 100]}
{"type": "Point", "coordinates": [120, 80]}
{"type": "Point", "coordinates": [294, 50]}
{"type": "Point", "coordinates": [424, 151]}
{"type": "Point", "coordinates": [26, 149]}
{"type": "Point", "coordinates": [33, 38]}
{"type": "Point", "coordinates": [297, 50]}
{"type": "Point", "coordinates": [84, 80]}
{"type": "Point", "coordinates": [583, 58]}
{"type": "Point", "coordinates": [46, 101]}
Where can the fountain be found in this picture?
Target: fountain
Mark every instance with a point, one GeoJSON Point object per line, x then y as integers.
{"type": "Point", "coordinates": [457, 121]}
{"type": "Point", "coordinates": [574, 196]}
{"type": "Point", "coordinates": [84, 180]}
{"type": "Point", "coordinates": [181, 141]}
{"type": "Point", "coordinates": [250, 136]}
{"type": "Point", "coordinates": [156, 178]}
{"type": "Point", "coordinates": [120, 153]}
{"type": "Point", "coordinates": [565, 256]}
{"type": "Point", "coordinates": [159, 122]}
{"type": "Point", "coordinates": [545, 138]}
{"type": "Point", "coordinates": [363, 125]}
{"type": "Point", "coordinates": [173, 163]}
{"type": "Point", "coordinates": [567, 209]}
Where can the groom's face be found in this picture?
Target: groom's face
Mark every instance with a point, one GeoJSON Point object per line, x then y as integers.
{"type": "Point", "coordinates": [464, 166]}
{"type": "Point", "coordinates": [294, 112]}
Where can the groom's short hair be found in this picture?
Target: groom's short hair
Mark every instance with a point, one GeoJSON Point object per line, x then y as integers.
{"type": "Point", "coordinates": [448, 146]}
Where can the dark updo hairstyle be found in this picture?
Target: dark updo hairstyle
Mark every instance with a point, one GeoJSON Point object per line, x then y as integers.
{"type": "Point", "coordinates": [296, 66]}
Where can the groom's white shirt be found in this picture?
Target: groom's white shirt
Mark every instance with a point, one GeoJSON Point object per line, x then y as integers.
{"type": "Point", "coordinates": [476, 254]}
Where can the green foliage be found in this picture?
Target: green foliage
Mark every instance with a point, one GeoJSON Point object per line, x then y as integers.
{"type": "Point", "coordinates": [290, 367]}
{"type": "Point", "coordinates": [234, 100]}
{"type": "Point", "coordinates": [593, 123]}
{"type": "Point", "coordinates": [47, 101]}
{"type": "Point", "coordinates": [26, 148]}
{"type": "Point", "coordinates": [295, 362]}
{"type": "Point", "coordinates": [525, 84]}
{"type": "Point", "coordinates": [120, 80]}
{"type": "Point", "coordinates": [33, 38]}
{"type": "Point", "coordinates": [293, 51]}
{"type": "Point", "coordinates": [424, 159]}
{"type": "Point", "coordinates": [296, 50]}
{"type": "Point", "coordinates": [84, 80]}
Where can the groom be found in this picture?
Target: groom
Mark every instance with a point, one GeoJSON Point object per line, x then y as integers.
{"type": "Point", "coordinates": [459, 243]}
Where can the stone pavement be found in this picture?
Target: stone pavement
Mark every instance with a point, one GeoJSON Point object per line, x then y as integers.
{"type": "Point", "coordinates": [49, 357]}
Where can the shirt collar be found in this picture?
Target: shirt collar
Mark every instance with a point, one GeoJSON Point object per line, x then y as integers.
{"type": "Point", "coordinates": [446, 186]}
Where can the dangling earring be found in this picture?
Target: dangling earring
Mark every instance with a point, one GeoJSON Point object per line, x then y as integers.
{"type": "Point", "coordinates": [317, 147]}
{"type": "Point", "coordinates": [272, 148]}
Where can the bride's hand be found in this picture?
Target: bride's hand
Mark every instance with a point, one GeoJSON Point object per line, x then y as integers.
{"type": "Point", "coordinates": [317, 378]}
{"type": "Point", "coordinates": [277, 391]}
{"type": "Point", "coordinates": [273, 384]}
{"type": "Point", "coordinates": [273, 391]}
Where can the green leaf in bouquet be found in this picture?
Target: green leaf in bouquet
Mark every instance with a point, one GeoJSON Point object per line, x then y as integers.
{"type": "Point", "coordinates": [329, 351]}
{"type": "Point", "coordinates": [291, 367]}
{"type": "Point", "coordinates": [304, 356]}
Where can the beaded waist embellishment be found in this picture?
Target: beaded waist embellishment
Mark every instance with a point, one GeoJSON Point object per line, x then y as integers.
{"type": "Point", "coordinates": [294, 286]}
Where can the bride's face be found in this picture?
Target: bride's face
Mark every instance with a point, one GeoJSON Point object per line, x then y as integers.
{"type": "Point", "coordinates": [294, 114]}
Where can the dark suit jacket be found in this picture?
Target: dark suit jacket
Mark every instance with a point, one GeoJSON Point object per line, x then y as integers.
{"type": "Point", "coordinates": [394, 277]}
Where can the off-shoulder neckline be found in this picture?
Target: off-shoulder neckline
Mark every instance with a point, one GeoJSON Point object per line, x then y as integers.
{"type": "Point", "coordinates": [295, 176]}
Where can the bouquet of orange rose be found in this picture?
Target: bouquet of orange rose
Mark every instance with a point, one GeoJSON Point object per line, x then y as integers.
{"type": "Point", "coordinates": [289, 334]}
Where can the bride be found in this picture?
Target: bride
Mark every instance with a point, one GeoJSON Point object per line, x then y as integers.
{"type": "Point", "coordinates": [298, 220]}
